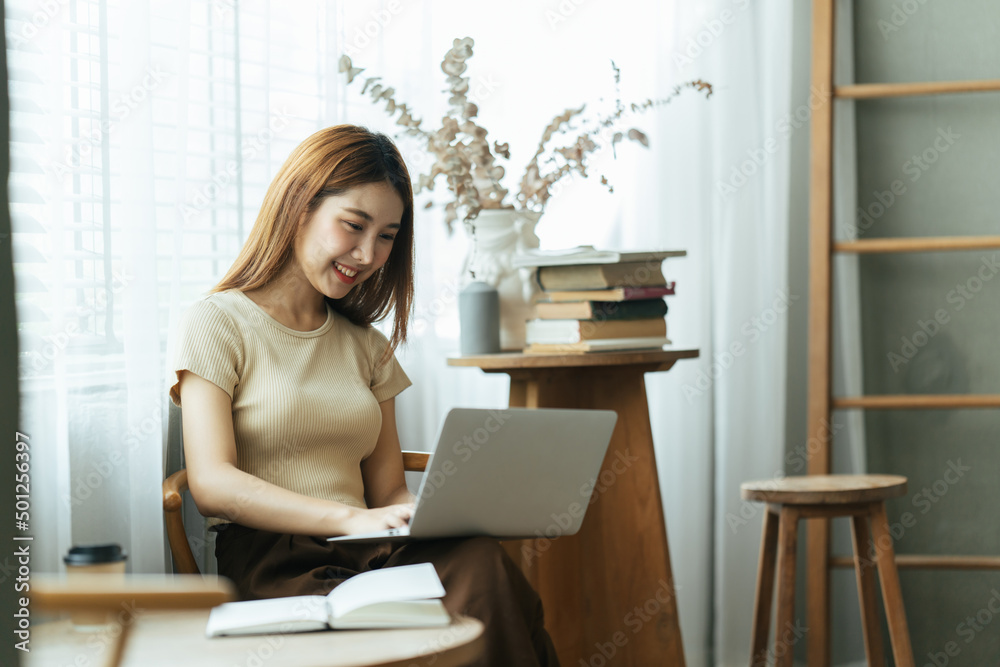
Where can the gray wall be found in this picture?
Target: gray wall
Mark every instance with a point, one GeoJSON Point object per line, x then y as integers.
{"type": "Point", "coordinates": [952, 189]}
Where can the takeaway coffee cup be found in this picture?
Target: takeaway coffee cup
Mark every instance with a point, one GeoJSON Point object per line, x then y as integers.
{"type": "Point", "coordinates": [106, 560]}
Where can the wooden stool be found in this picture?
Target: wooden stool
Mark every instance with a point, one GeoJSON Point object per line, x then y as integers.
{"type": "Point", "coordinates": [824, 496]}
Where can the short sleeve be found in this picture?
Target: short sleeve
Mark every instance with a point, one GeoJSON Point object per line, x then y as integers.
{"type": "Point", "coordinates": [388, 377]}
{"type": "Point", "coordinates": [208, 345]}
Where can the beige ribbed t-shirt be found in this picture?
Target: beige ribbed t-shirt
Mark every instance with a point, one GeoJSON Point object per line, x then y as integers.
{"type": "Point", "coordinates": [305, 403]}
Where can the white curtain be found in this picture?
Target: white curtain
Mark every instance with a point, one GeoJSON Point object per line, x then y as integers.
{"type": "Point", "coordinates": [719, 188]}
{"type": "Point", "coordinates": [218, 94]}
{"type": "Point", "coordinates": [143, 136]}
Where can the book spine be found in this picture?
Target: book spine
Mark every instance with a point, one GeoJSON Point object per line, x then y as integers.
{"type": "Point", "coordinates": [601, 276]}
{"type": "Point", "coordinates": [628, 310]}
{"type": "Point", "coordinates": [574, 331]}
{"type": "Point", "coordinates": [640, 293]}
{"type": "Point", "coordinates": [601, 310]}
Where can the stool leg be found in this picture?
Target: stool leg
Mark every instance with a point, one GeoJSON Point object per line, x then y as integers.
{"type": "Point", "coordinates": [765, 589]}
{"type": "Point", "coordinates": [788, 531]}
{"type": "Point", "coordinates": [866, 592]}
{"type": "Point", "coordinates": [892, 595]}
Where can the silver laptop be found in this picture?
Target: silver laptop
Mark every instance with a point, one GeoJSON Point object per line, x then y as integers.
{"type": "Point", "coordinates": [512, 473]}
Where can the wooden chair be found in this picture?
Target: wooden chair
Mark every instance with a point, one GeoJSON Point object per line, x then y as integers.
{"type": "Point", "coordinates": [175, 485]}
{"type": "Point", "coordinates": [861, 497]}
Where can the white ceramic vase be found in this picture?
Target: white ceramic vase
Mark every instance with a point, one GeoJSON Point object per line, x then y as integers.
{"type": "Point", "coordinates": [498, 235]}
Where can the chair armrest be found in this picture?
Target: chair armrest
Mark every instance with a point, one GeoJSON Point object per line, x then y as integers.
{"type": "Point", "coordinates": [415, 461]}
{"type": "Point", "coordinates": [173, 487]}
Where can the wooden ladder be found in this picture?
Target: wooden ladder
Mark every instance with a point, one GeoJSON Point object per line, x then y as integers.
{"type": "Point", "coordinates": [821, 250]}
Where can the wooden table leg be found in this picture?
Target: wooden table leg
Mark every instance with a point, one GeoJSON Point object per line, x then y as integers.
{"type": "Point", "coordinates": [519, 393]}
{"type": "Point", "coordinates": [520, 551]}
{"type": "Point", "coordinates": [609, 590]}
{"type": "Point", "coordinates": [118, 647]}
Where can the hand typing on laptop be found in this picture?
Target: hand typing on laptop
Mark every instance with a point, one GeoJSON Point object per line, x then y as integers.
{"type": "Point", "coordinates": [379, 518]}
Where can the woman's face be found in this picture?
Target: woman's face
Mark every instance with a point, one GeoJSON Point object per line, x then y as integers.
{"type": "Point", "coordinates": [348, 238]}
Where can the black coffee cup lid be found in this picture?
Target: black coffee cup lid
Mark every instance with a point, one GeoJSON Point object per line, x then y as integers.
{"type": "Point", "coordinates": [95, 554]}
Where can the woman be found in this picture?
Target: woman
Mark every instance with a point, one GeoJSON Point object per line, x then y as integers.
{"type": "Point", "coordinates": [289, 397]}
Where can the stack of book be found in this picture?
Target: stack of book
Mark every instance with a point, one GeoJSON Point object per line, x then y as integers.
{"type": "Point", "coordinates": [596, 301]}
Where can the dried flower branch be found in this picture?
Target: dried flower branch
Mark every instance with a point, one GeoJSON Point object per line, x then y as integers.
{"type": "Point", "coordinates": [464, 156]}
{"type": "Point", "coordinates": [535, 187]}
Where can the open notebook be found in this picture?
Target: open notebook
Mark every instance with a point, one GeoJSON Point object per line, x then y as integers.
{"type": "Point", "coordinates": [393, 597]}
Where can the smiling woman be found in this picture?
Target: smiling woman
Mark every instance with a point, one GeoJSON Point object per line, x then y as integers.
{"type": "Point", "coordinates": [289, 393]}
{"type": "Point", "coordinates": [340, 186]}
{"type": "Point", "coordinates": [359, 241]}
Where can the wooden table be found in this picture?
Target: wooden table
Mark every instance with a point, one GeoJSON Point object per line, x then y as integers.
{"type": "Point", "coordinates": [172, 638]}
{"type": "Point", "coordinates": [608, 591]}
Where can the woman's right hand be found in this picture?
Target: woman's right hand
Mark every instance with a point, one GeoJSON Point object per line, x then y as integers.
{"type": "Point", "coordinates": [378, 518]}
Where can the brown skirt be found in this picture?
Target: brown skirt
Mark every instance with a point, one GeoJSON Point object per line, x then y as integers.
{"type": "Point", "coordinates": [480, 581]}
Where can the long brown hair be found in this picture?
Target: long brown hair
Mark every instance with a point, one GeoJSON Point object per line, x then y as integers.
{"type": "Point", "coordinates": [327, 164]}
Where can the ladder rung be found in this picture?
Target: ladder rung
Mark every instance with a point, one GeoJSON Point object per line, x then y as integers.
{"type": "Point", "coordinates": [918, 401]}
{"type": "Point", "coordinates": [861, 91]}
{"type": "Point", "coordinates": [918, 244]}
{"type": "Point", "coordinates": [932, 562]}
